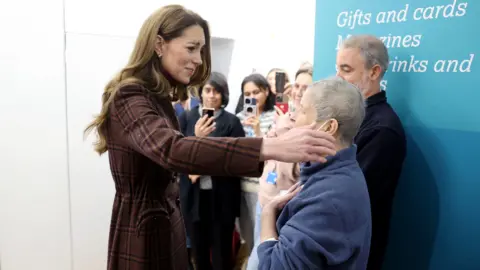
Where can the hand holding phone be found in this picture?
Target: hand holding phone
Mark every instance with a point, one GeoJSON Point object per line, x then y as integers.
{"type": "Point", "coordinates": [280, 97]}
{"type": "Point", "coordinates": [206, 124]}
{"type": "Point", "coordinates": [209, 112]}
{"type": "Point", "coordinates": [250, 107]}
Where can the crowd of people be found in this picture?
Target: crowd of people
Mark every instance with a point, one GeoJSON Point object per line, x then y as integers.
{"type": "Point", "coordinates": [198, 187]}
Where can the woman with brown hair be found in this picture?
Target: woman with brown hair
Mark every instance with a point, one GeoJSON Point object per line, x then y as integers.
{"type": "Point", "coordinates": [138, 128]}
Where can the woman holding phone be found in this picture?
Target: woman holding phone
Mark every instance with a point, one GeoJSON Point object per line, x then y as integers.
{"type": "Point", "coordinates": [210, 204]}
{"type": "Point", "coordinates": [256, 120]}
{"type": "Point", "coordinates": [138, 127]}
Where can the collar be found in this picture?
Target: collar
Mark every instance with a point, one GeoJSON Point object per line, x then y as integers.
{"type": "Point", "coordinates": [380, 97]}
{"type": "Point", "coordinates": [307, 169]}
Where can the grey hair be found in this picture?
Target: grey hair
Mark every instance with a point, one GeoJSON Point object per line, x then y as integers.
{"type": "Point", "coordinates": [373, 50]}
{"type": "Point", "coordinates": [338, 99]}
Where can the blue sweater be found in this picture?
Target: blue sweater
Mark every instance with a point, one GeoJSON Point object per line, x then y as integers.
{"type": "Point", "coordinates": [328, 224]}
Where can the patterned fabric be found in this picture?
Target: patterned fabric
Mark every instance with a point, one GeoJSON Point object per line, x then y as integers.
{"type": "Point", "coordinates": [267, 121]}
{"type": "Point", "coordinates": [145, 148]}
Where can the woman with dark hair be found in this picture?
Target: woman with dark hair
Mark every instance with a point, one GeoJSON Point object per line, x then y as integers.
{"type": "Point", "coordinates": [210, 204]}
{"type": "Point", "coordinates": [271, 81]}
{"type": "Point", "coordinates": [138, 127]}
{"type": "Point", "coordinates": [256, 125]}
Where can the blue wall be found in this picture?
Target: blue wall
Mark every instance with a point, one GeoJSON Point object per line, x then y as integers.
{"type": "Point", "coordinates": [436, 222]}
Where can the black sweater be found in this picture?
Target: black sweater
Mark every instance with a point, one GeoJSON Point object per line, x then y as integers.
{"type": "Point", "coordinates": [381, 151]}
{"type": "Point", "coordinates": [225, 190]}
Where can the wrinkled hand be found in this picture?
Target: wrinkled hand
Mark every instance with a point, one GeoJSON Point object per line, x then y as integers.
{"type": "Point", "coordinates": [193, 178]}
{"type": "Point", "coordinates": [299, 145]}
{"type": "Point", "coordinates": [278, 202]}
{"type": "Point", "coordinates": [204, 126]}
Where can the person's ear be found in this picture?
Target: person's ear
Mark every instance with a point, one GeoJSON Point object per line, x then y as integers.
{"type": "Point", "coordinates": [160, 46]}
{"type": "Point", "coordinates": [375, 72]}
{"type": "Point", "coordinates": [330, 126]}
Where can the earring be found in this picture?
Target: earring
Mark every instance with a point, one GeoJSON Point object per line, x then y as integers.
{"type": "Point", "coordinates": [159, 55]}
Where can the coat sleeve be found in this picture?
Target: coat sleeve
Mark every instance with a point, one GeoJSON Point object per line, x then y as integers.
{"type": "Point", "coordinates": [311, 238]}
{"type": "Point", "coordinates": [147, 132]}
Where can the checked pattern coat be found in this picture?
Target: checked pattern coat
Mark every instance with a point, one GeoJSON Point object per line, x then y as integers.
{"type": "Point", "coordinates": [146, 150]}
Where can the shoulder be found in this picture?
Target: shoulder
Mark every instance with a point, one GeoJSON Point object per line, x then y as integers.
{"type": "Point", "coordinates": [231, 117]}
{"type": "Point", "coordinates": [341, 189]}
{"type": "Point", "coordinates": [383, 117]}
{"type": "Point", "coordinates": [384, 136]}
{"type": "Point", "coordinates": [241, 115]}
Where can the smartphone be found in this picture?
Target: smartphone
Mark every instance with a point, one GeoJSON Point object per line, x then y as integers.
{"type": "Point", "coordinates": [280, 99]}
{"type": "Point", "coordinates": [250, 106]}
{"type": "Point", "coordinates": [209, 112]}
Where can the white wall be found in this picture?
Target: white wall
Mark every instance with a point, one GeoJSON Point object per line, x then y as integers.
{"type": "Point", "coordinates": [34, 197]}
{"type": "Point", "coordinates": [45, 107]}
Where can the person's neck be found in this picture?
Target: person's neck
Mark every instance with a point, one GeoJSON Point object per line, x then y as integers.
{"type": "Point", "coordinates": [260, 110]}
{"type": "Point", "coordinates": [374, 89]}
{"type": "Point", "coordinates": [340, 146]}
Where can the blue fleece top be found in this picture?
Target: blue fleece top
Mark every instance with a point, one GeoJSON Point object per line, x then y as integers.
{"type": "Point", "coordinates": [327, 225]}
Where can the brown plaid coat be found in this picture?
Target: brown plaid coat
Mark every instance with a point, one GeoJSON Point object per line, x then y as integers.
{"type": "Point", "coordinates": [145, 149]}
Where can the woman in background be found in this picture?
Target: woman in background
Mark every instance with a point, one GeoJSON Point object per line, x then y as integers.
{"type": "Point", "coordinates": [271, 81]}
{"type": "Point", "coordinates": [138, 127]}
{"type": "Point", "coordinates": [271, 77]}
{"type": "Point", "coordinates": [210, 204]}
{"type": "Point", "coordinates": [256, 125]}
{"type": "Point", "coordinates": [285, 174]}
{"type": "Point", "coordinates": [191, 101]}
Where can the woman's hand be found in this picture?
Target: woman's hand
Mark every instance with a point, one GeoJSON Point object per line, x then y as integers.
{"type": "Point", "coordinates": [283, 123]}
{"type": "Point", "coordinates": [204, 126]}
{"type": "Point", "coordinates": [299, 145]}
{"type": "Point", "coordinates": [268, 229]}
{"type": "Point", "coordinates": [193, 178]}
{"type": "Point", "coordinates": [253, 122]}
{"type": "Point", "coordinates": [278, 202]}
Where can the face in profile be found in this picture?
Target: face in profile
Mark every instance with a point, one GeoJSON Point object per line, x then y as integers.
{"type": "Point", "coordinates": [305, 114]}
{"type": "Point", "coordinates": [182, 56]}
{"type": "Point", "coordinates": [250, 89]}
{"type": "Point", "coordinates": [351, 67]}
{"type": "Point", "coordinates": [301, 84]}
{"type": "Point", "coordinates": [211, 98]}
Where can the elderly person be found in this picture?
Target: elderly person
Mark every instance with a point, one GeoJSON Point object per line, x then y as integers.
{"type": "Point", "coordinates": [327, 225]}
{"type": "Point", "coordinates": [381, 143]}
{"type": "Point", "coordinates": [287, 174]}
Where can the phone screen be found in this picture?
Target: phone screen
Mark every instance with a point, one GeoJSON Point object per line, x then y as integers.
{"type": "Point", "coordinates": [280, 87]}
{"type": "Point", "coordinates": [280, 82]}
{"type": "Point", "coordinates": [209, 112]}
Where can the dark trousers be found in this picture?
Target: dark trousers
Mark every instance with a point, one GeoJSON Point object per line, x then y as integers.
{"type": "Point", "coordinates": [211, 239]}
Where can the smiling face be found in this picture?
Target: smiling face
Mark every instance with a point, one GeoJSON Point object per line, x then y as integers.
{"type": "Point", "coordinates": [181, 56]}
{"type": "Point", "coordinates": [301, 84]}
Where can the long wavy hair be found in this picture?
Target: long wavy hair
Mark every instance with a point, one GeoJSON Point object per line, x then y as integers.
{"type": "Point", "coordinates": [144, 66]}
